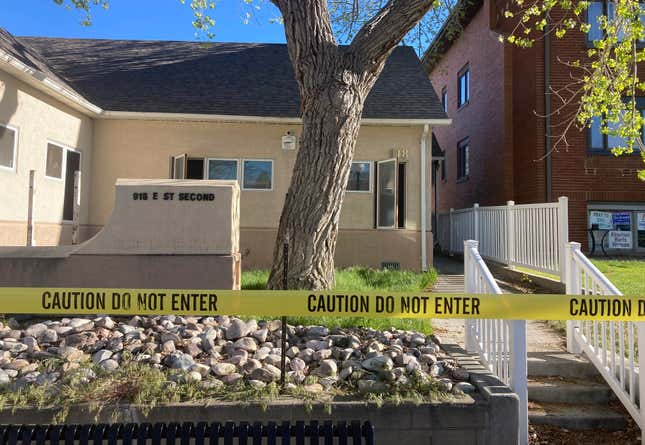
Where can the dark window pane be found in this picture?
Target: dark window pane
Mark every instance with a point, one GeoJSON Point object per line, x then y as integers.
{"type": "Point", "coordinates": [595, 136]}
{"type": "Point", "coordinates": [444, 100]}
{"type": "Point", "coordinates": [7, 144]}
{"type": "Point", "coordinates": [386, 193]}
{"type": "Point", "coordinates": [257, 175]}
{"type": "Point", "coordinates": [54, 168]}
{"type": "Point", "coordinates": [222, 169]}
{"type": "Point", "coordinates": [463, 161]}
{"type": "Point", "coordinates": [359, 177]}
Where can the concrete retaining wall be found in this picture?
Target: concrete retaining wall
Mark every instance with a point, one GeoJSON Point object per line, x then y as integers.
{"type": "Point", "coordinates": [488, 417]}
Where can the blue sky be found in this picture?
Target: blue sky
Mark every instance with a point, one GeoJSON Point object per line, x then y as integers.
{"type": "Point", "coordinates": [138, 19]}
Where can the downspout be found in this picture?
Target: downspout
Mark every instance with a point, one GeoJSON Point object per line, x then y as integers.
{"type": "Point", "coordinates": [424, 254]}
{"type": "Point", "coordinates": [547, 111]}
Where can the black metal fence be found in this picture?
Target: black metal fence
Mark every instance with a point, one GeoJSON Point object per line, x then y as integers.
{"type": "Point", "coordinates": [326, 433]}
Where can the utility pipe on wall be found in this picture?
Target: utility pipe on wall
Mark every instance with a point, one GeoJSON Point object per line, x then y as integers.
{"type": "Point", "coordinates": [424, 254]}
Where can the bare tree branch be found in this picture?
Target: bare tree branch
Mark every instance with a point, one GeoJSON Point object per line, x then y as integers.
{"type": "Point", "coordinates": [386, 29]}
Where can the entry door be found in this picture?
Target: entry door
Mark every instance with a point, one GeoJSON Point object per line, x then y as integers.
{"type": "Point", "coordinates": [178, 165]}
{"type": "Point", "coordinates": [73, 164]}
{"type": "Point", "coordinates": [386, 194]}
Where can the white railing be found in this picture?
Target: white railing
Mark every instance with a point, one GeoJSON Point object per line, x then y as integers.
{"type": "Point", "coordinates": [500, 344]}
{"type": "Point", "coordinates": [527, 235]}
{"type": "Point", "coordinates": [613, 347]}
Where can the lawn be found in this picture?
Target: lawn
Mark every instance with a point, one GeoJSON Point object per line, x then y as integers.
{"type": "Point", "coordinates": [627, 275]}
{"type": "Point", "coordinates": [362, 279]}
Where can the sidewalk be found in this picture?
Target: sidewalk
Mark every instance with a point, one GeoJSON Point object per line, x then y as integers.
{"type": "Point", "coordinates": [540, 336]}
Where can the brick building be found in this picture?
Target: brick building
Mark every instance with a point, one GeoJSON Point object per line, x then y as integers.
{"type": "Point", "coordinates": [500, 146]}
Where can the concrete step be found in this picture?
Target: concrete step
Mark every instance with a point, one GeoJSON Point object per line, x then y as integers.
{"type": "Point", "coordinates": [577, 417]}
{"type": "Point", "coordinates": [556, 390]}
{"type": "Point", "coordinates": [560, 364]}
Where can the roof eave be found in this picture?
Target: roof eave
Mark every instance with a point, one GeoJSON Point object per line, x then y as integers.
{"type": "Point", "coordinates": [42, 82]}
{"type": "Point", "coordinates": [133, 115]}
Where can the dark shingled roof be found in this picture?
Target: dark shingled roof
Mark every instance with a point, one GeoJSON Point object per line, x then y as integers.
{"type": "Point", "coordinates": [27, 55]}
{"type": "Point", "coordinates": [243, 79]}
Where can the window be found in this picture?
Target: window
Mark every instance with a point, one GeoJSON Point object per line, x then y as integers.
{"type": "Point", "coordinates": [605, 8]}
{"type": "Point", "coordinates": [603, 143]}
{"type": "Point", "coordinates": [178, 166]}
{"type": "Point", "coordinates": [54, 165]}
{"type": "Point", "coordinates": [222, 169]}
{"type": "Point", "coordinates": [444, 99]}
{"type": "Point", "coordinates": [443, 169]}
{"type": "Point", "coordinates": [386, 194]}
{"type": "Point", "coordinates": [359, 177]}
{"type": "Point", "coordinates": [617, 226]}
{"type": "Point", "coordinates": [463, 159]}
{"type": "Point", "coordinates": [464, 86]}
{"type": "Point", "coordinates": [8, 143]}
{"type": "Point", "coordinates": [257, 175]}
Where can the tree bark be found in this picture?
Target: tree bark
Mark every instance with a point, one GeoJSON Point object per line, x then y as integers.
{"type": "Point", "coordinates": [334, 82]}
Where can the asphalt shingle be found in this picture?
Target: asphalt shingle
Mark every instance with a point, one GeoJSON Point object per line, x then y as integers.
{"type": "Point", "coordinates": [244, 79]}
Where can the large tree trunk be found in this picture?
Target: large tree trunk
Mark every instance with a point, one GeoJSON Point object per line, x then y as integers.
{"type": "Point", "coordinates": [312, 207]}
{"type": "Point", "coordinates": [334, 82]}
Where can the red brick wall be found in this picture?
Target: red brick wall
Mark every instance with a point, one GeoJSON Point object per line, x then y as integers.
{"type": "Point", "coordinates": [482, 119]}
{"type": "Point", "coordinates": [575, 172]}
{"type": "Point", "coordinates": [507, 129]}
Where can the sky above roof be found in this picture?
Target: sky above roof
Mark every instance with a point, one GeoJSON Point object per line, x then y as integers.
{"type": "Point", "coordinates": [139, 19]}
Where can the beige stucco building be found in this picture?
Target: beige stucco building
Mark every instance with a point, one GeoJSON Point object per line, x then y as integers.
{"type": "Point", "coordinates": [119, 109]}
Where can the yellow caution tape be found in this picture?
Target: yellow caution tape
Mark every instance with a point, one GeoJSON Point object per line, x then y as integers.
{"type": "Point", "coordinates": [61, 301]}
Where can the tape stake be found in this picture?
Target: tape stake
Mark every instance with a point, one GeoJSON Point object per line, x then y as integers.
{"type": "Point", "coordinates": [206, 302]}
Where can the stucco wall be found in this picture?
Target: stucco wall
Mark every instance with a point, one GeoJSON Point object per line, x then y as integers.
{"type": "Point", "coordinates": [39, 119]}
{"type": "Point", "coordinates": [142, 149]}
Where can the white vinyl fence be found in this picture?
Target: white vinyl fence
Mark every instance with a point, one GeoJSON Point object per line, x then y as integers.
{"type": "Point", "coordinates": [500, 344]}
{"type": "Point", "coordinates": [527, 235]}
{"type": "Point", "coordinates": [613, 347]}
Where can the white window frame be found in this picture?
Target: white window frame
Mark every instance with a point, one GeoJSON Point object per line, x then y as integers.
{"type": "Point", "coordinates": [237, 170]}
{"type": "Point", "coordinates": [252, 189]}
{"type": "Point", "coordinates": [378, 201]}
{"type": "Point", "coordinates": [13, 168]}
{"type": "Point", "coordinates": [370, 180]}
{"type": "Point", "coordinates": [65, 149]}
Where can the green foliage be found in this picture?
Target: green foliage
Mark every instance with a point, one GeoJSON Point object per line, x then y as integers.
{"type": "Point", "coordinates": [362, 279]}
{"type": "Point", "coordinates": [605, 85]}
{"type": "Point", "coordinates": [85, 6]}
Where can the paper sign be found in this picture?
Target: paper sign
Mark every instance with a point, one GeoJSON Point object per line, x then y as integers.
{"type": "Point", "coordinates": [621, 218]}
{"type": "Point", "coordinates": [603, 219]}
{"type": "Point", "coordinates": [620, 239]}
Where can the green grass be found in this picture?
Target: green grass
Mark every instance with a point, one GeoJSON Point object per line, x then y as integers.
{"type": "Point", "coordinates": [362, 279]}
{"type": "Point", "coordinates": [627, 275]}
